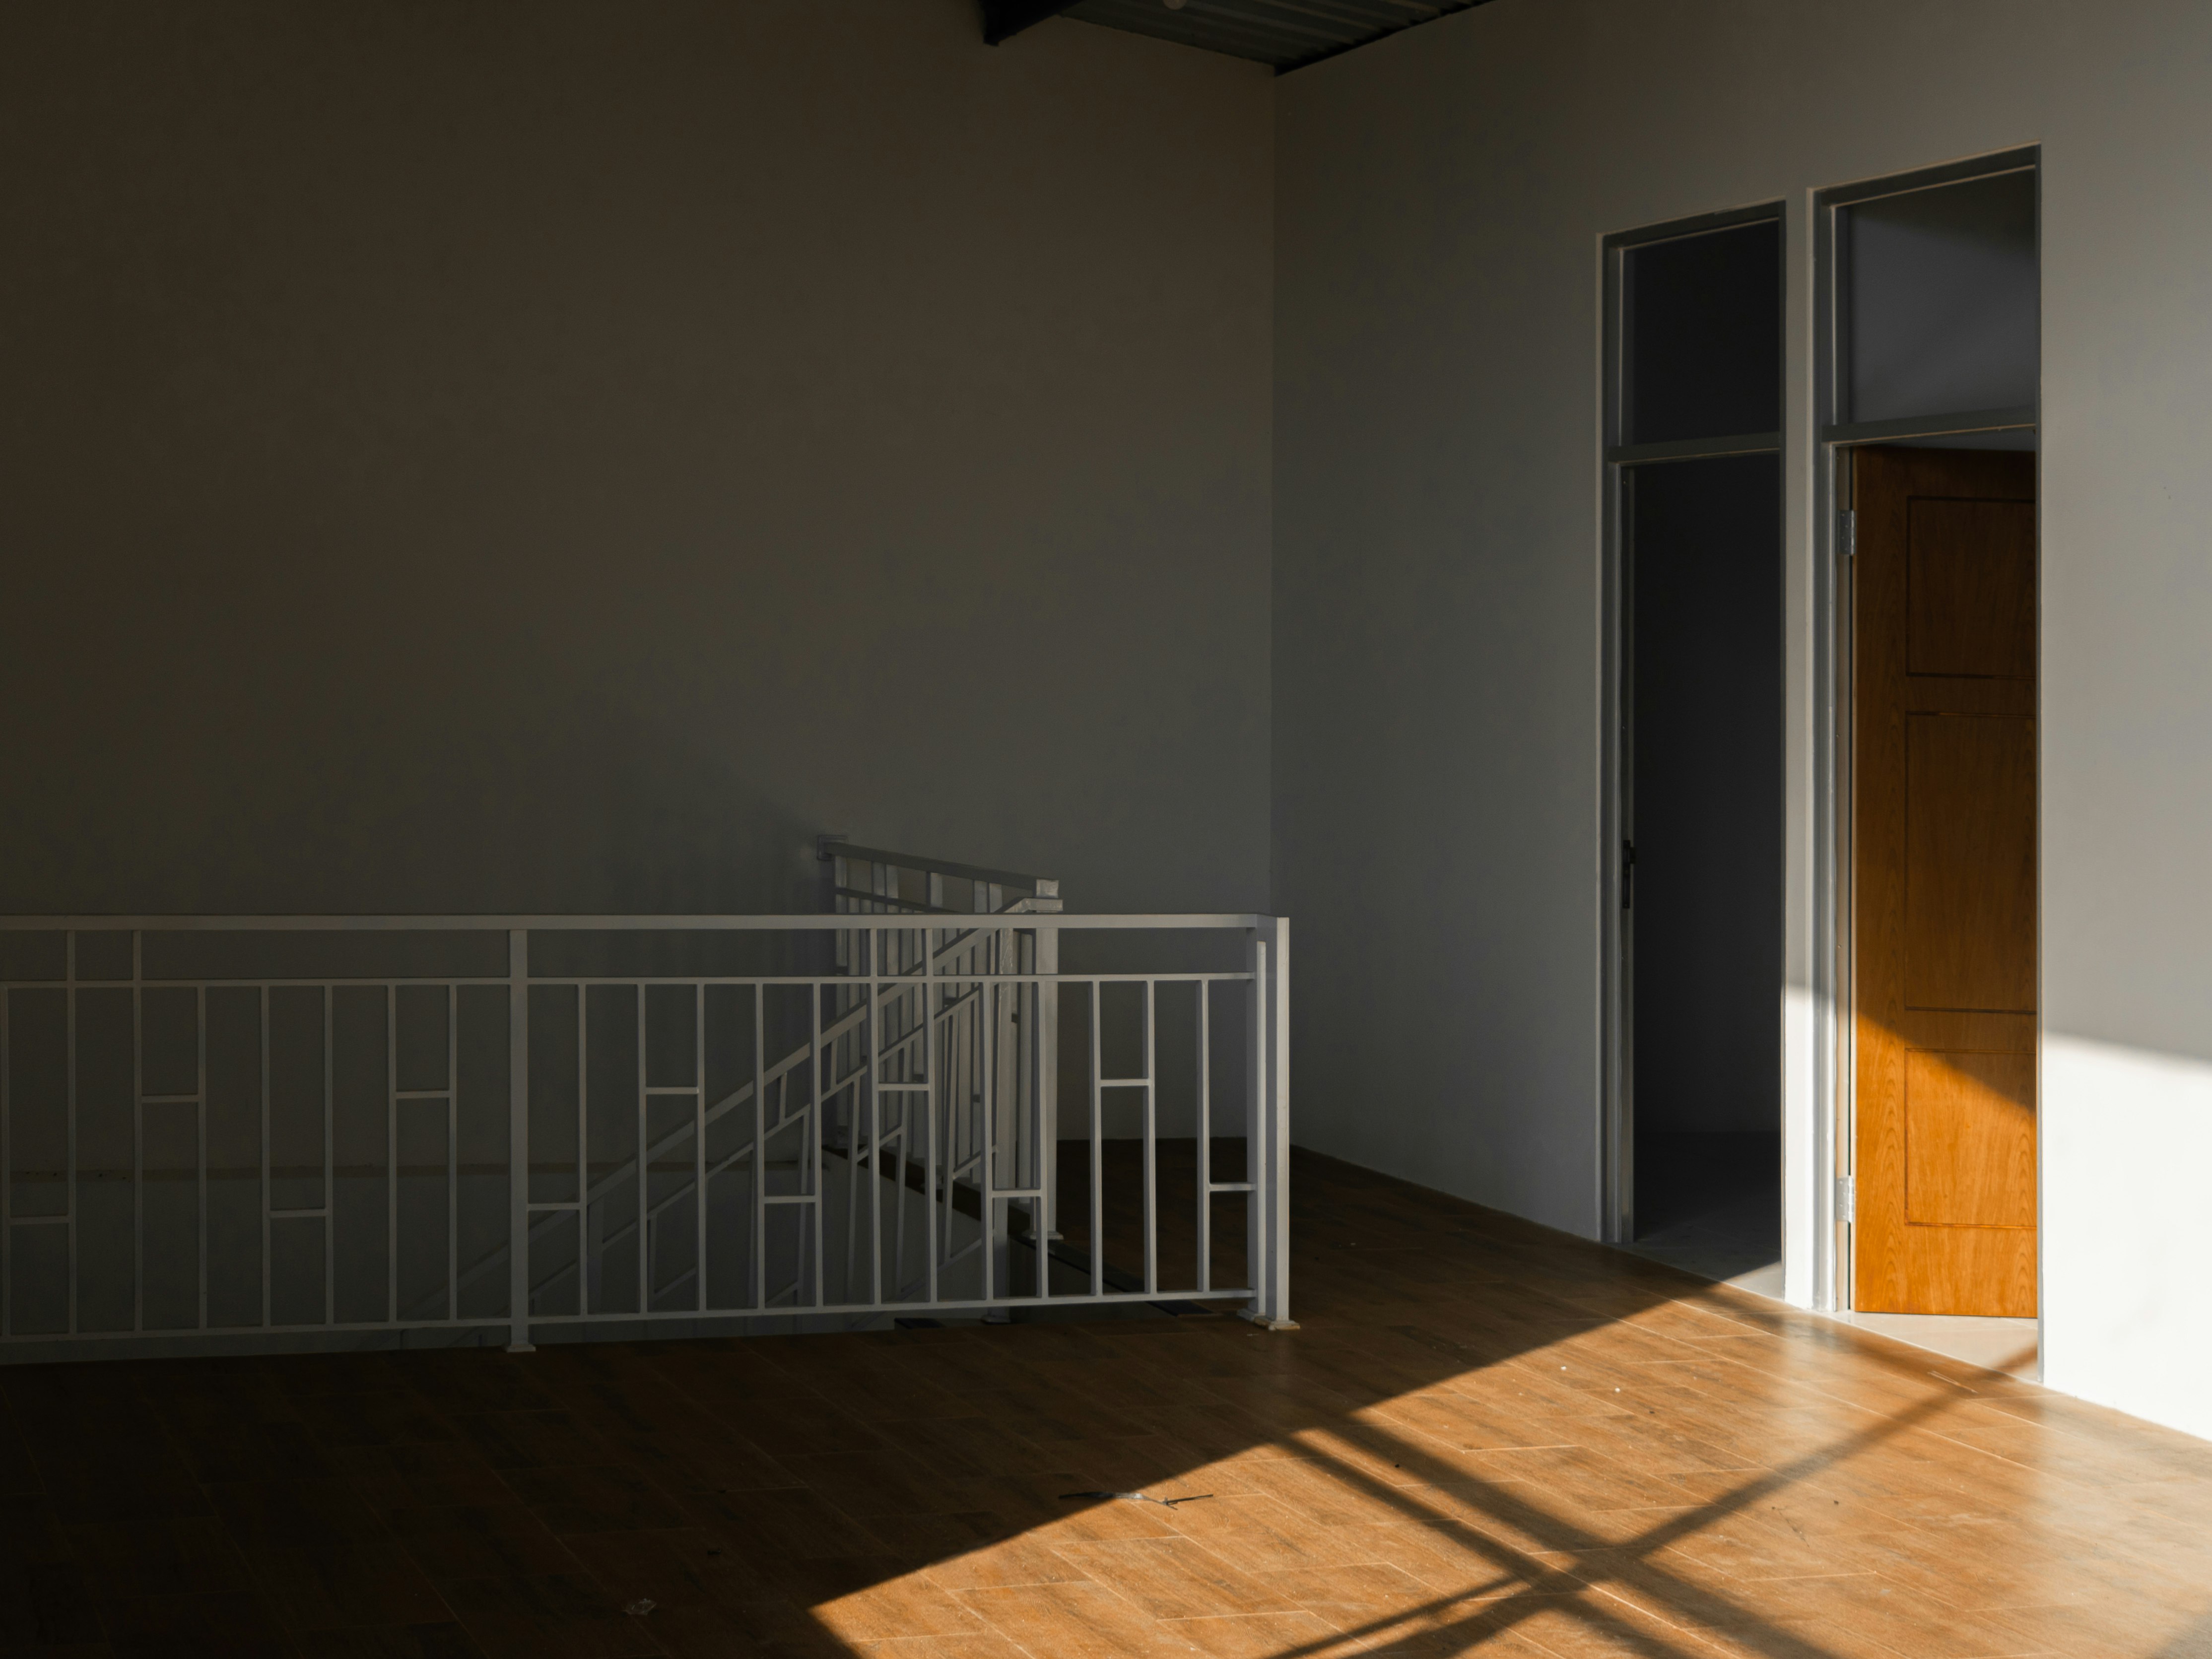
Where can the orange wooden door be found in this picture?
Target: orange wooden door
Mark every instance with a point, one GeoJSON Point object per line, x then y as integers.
{"type": "Point", "coordinates": [1944, 888]}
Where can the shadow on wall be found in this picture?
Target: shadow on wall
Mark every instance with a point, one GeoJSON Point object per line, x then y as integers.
{"type": "Point", "coordinates": [527, 460]}
{"type": "Point", "coordinates": [544, 799]}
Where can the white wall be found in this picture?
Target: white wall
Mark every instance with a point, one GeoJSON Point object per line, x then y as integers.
{"type": "Point", "coordinates": [1441, 199]}
{"type": "Point", "coordinates": [561, 456]}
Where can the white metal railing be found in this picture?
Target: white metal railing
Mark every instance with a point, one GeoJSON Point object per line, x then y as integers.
{"type": "Point", "coordinates": [299, 1131]}
{"type": "Point", "coordinates": [869, 881]}
{"type": "Point", "coordinates": [872, 881]}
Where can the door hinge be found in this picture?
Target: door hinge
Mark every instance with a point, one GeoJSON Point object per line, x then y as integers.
{"type": "Point", "coordinates": [1628, 875]}
{"type": "Point", "coordinates": [1851, 533]}
{"type": "Point", "coordinates": [1847, 1198]}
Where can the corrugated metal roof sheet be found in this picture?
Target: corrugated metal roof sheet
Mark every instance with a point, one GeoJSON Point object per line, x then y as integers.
{"type": "Point", "coordinates": [1284, 33]}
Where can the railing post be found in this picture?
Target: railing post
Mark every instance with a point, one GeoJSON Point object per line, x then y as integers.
{"type": "Point", "coordinates": [1255, 1123]}
{"type": "Point", "coordinates": [1048, 1083]}
{"type": "Point", "coordinates": [1279, 1129]}
{"type": "Point", "coordinates": [518, 1142]}
{"type": "Point", "coordinates": [1267, 1148]}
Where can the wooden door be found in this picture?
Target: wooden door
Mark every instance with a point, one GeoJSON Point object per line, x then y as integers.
{"type": "Point", "coordinates": [1944, 888]}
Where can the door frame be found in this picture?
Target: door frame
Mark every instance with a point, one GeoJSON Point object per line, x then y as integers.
{"type": "Point", "coordinates": [1616, 1163]}
{"type": "Point", "coordinates": [1835, 1103]}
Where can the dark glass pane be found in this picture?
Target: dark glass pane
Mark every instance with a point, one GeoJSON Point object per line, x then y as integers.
{"type": "Point", "coordinates": [1705, 816]}
{"type": "Point", "coordinates": [1942, 297]}
{"type": "Point", "coordinates": [1702, 317]}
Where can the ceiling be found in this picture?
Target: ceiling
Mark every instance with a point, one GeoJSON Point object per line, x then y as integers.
{"type": "Point", "coordinates": [1285, 33]}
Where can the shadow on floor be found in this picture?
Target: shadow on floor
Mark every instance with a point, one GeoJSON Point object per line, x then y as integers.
{"type": "Point", "coordinates": [1485, 1436]}
{"type": "Point", "coordinates": [1711, 1204]}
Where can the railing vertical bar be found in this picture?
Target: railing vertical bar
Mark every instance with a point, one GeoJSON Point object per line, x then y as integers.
{"type": "Point", "coordinates": [1048, 1046]}
{"type": "Point", "coordinates": [1098, 1154]}
{"type": "Point", "coordinates": [814, 1127]}
{"type": "Point", "coordinates": [330, 1156]}
{"type": "Point", "coordinates": [852, 1109]}
{"type": "Point", "coordinates": [200, 1132]}
{"type": "Point", "coordinates": [972, 1128]}
{"type": "Point", "coordinates": [391, 1149]}
{"type": "Point", "coordinates": [69, 1021]}
{"type": "Point", "coordinates": [267, 1232]}
{"type": "Point", "coordinates": [1205, 1135]}
{"type": "Point", "coordinates": [1025, 999]}
{"type": "Point", "coordinates": [874, 1096]}
{"type": "Point", "coordinates": [137, 1137]}
{"type": "Point", "coordinates": [584, 1205]}
{"type": "Point", "coordinates": [699, 1144]}
{"type": "Point", "coordinates": [1255, 1135]}
{"type": "Point", "coordinates": [644, 1182]}
{"type": "Point", "coordinates": [888, 1007]}
{"type": "Point", "coordinates": [987, 1044]}
{"type": "Point", "coordinates": [518, 1142]}
{"type": "Point", "coordinates": [956, 1096]}
{"type": "Point", "coordinates": [954, 1051]}
{"type": "Point", "coordinates": [1152, 1146]}
{"type": "Point", "coordinates": [453, 1151]}
{"type": "Point", "coordinates": [932, 1163]}
{"type": "Point", "coordinates": [1028, 1001]}
{"type": "Point", "coordinates": [1021, 1071]}
{"type": "Point", "coordinates": [759, 1183]}
{"type": "Point", "coordinates": [7, 1163]}
{"type": "Point", "coordinates": [959, 1114]}
{"type": "Point", "coordinates": [978, 1127]}
{"type": "Point", "coordinates": [905, 1157]}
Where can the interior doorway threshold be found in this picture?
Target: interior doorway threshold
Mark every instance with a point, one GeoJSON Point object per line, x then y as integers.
{"type": "Point", "coordinates": [1723, 1259]}
{"type": "Point", "coordinates": [2012, 1347]}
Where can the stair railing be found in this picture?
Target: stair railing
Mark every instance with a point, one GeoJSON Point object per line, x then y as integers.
{"type": "Point", "coordinates": [211, 1136]}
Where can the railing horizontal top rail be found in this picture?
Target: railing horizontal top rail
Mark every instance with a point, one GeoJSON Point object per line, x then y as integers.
{"type": "Point", "coordinates": [812, 923]}
{"type": "Point", "coordinates": [887, 983]}
{"type": "Point", "coordinates": [845, 849]}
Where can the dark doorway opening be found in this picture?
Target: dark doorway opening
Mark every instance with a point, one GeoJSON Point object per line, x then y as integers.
{"type": "Point", "coordinates": [1696, 443]}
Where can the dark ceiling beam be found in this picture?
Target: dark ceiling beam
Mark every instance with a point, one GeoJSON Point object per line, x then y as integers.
{"type": "Point", "coordinates": [1004, 19]}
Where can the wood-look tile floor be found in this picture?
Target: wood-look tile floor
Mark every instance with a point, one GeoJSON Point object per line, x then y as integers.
{"type": "Point", "coordinates": [1486, 1439]}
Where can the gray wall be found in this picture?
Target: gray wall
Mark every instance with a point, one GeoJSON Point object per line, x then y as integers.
{"type": "Point", "coordinates": [1441, 199]}
{"type": "Point", "coordinates": [561, 456]}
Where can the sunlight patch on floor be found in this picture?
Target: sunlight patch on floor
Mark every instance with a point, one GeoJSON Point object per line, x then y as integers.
{"type": "Point", "coordinates": [1507, 1507]}
{"type": "Point", "coordinates": [2011, 1348]}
